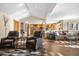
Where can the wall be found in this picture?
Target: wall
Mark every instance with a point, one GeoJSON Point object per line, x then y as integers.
{"type": "Point", "coordinates": [2, 27]}
{"type": "Point", "coordinates": [5, 29]}
{"type": "Point", "coordinates": [9, 25]}
{"type": "Point", "coordinates": [66, 24]}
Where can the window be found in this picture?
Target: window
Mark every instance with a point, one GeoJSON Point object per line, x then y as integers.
{"type": "Point", "coordinates": [72, 26]}
{"type": "Point", "coordinates": [76, 26]}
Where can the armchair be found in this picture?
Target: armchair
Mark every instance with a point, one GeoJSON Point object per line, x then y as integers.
{"type": "Point", "coordinates": [31, 43]}
{"type": "Point", "coordinates": [35, 41]}
{"type": "Point", "coordinates": [10, 39]}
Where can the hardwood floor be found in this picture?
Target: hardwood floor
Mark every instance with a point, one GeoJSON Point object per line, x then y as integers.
{"type": "Point", "coordinates": [49, 48]}
{"type": "Point", "coordinates": [60, 48]}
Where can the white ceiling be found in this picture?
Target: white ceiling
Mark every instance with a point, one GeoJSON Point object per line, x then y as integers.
{"type": "Point", "coordinates": [51, 11]}
{"type": "Point", "coordinates": [40, 10]}
{"type": "Point", "coordinates": [10, 7]}
{"type": "Point", "coordinates": [64, 11]}
{"type": "Point", "coordinates": [14, 9]}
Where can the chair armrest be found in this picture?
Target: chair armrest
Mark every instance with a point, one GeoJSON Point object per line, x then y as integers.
{"type": "Point", "coordinates": [7, 39]}
{"type": "Point", "coordinates": [31, 39]}
{"type": "Point", "coordinates": [2, 39]}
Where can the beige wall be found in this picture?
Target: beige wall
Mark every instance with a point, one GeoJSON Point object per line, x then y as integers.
{"type": "Point", "coordinates": [2, 27]}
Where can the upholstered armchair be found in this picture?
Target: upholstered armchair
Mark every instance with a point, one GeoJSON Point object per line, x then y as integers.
{"type": "Point", "coordinates": [10, 39]}
{"type": "Point", "coordinates": [31, 43]}
{"type": "Point", "coordinates": [34, 42]}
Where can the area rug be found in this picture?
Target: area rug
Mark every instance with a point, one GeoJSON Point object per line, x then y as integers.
{"type": "Point", "coordinates": [21, 52]}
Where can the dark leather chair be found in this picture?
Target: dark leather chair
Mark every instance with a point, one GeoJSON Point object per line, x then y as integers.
{"type": "Point", "coordinates": [10, 39]}
{"type": "Point", "coordinates": [31, 41]}
{"type": "Point", "coordinates": [38, 34]}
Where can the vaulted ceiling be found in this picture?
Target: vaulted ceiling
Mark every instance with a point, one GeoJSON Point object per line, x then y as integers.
{"type": "Point", "coordinates": [38, 10]}
{"type": "Point", "coordinates": [14, 9]}
{"type": "Point", "coordinates": [50, 11]}
{"type": "Point", "coordinates": [64, 11]}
